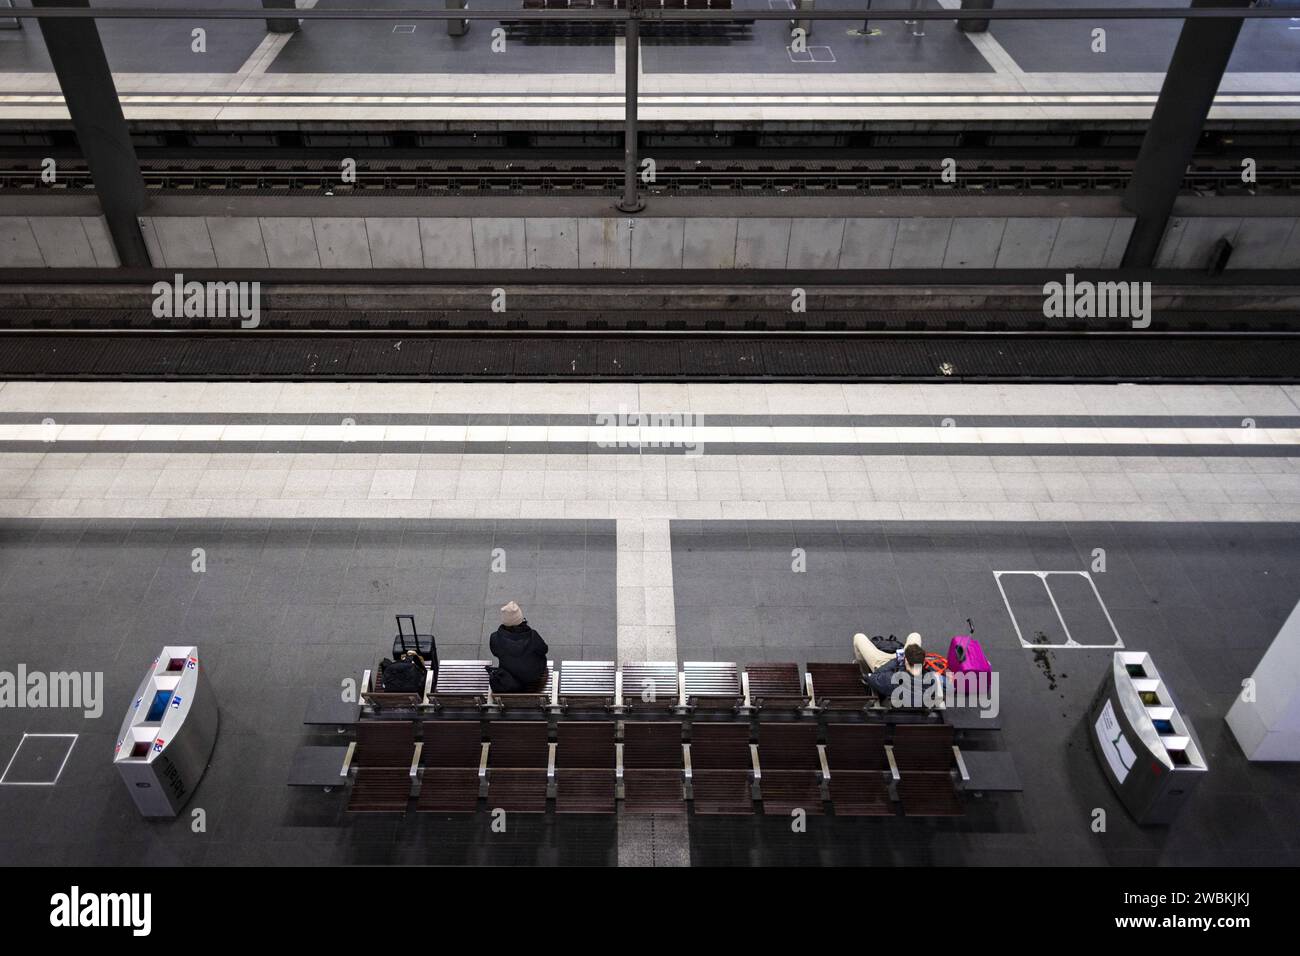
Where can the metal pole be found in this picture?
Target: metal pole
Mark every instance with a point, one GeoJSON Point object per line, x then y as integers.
{"type": "Point", "coordinates": [1195, 71]}
{"type": "Point", "coordinates": [867, 30]}
{"type": "Point", "coordinates": [87, 84]}
{"type": "Point", "coordinates": [631, 201]}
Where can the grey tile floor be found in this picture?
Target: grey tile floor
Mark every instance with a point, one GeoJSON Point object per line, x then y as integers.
{"type": "Point", "coordinates": [1264, 46]}
{"type": "Point", "coordinates": [373, 47]}
{"type": "Point", "coordinates": [147, 46]}
{"type": "Point", "coordinates": [764, 48]}
{"type": "Point", "coordinates": [284, 608]}
{"type": "Point", "coordinates": [304, 595]}
{"type": "Point", "coordinates": [1204, 600]}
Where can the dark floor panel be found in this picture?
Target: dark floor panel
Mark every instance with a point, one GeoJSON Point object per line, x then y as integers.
{"type": "Point", "coordinates": [764, 47]}
{"type": "Point", "coordinates": [285, 610]}
{"type": "Point", "coordinates": [1133, 46]}
{"type": "Point", "coordinates": [1204, 600]}
{"type": "Point", "coordinates": [392, 46]}
{"type": "Point", "coordinates": [146, 46]}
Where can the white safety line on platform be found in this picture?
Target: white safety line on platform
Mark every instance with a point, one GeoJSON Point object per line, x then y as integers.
{"type": "Point", "coordinates": [690, 437]}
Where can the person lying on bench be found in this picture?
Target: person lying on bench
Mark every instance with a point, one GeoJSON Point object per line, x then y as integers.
{"type": "Point", "coordinates": [520, 652]}
{"type": "Point", "coordinates": [880, 667]}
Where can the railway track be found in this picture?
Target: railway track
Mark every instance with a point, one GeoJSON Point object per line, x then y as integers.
{"type": "Point", "coordinates": [612, 320]}
{"type": "Point", "coordinates": [604, 177]}
{"type": "Point", "coordinates": [515, 354]}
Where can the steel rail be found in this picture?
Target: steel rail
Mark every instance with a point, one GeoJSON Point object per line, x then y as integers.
{"type": "Point", "coordinates": [686, 16]}
{"type": "Point", "coordinates": [609, 333]}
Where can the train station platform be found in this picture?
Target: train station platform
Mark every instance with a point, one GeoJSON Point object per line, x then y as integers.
{"type": "Point", "coordinates": [633, 523]}
{"type": "Point", "coordinates": [389, 71]}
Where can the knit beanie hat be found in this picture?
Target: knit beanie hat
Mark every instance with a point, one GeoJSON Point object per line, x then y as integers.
{"type": "Point", "coordinates": [511, 615]}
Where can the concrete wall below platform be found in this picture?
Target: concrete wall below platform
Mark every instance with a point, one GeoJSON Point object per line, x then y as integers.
{"type": "Point", "coordinates": [180, 242]}
{"type": "Point", "coordinates": [237, 240]}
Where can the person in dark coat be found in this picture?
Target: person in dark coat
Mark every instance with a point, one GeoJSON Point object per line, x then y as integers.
{"type": "Point", "coordinates": [520, 653]}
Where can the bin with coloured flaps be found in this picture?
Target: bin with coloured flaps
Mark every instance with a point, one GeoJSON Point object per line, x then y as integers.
{"type": "Point", "coordinates": [168, 734]}
{"type": "Point", "coordinates": [1145, 746]}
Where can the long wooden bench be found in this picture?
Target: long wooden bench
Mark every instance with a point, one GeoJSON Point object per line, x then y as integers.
{"type": "Point", "coordinates": [650, 24]}
{"type": "Point", "coordinates": [866, 766]}
{"type": "Point", "coordinates": [861, 768]}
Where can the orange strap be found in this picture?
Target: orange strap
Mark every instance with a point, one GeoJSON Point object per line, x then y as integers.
{"type": "Point", "coordinates": [937, 663]}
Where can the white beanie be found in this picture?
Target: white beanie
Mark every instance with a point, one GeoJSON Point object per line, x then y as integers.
{"type": "Point", "coordinates": [511, 615]}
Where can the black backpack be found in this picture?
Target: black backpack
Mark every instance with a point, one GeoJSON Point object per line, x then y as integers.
{"type": "Point", "coordinates": [404, 676]}
{"type": "Point", "coordinates": [888, 644]}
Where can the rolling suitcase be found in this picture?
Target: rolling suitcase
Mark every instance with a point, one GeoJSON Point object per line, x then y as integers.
{"type": "Point", "coordinates": [408, 639]}
{"type": "Point", "coordinates": [966, 656]}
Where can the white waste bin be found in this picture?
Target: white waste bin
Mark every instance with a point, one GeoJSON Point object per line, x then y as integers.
{"type": "Point", "coordinates": [168, 733]}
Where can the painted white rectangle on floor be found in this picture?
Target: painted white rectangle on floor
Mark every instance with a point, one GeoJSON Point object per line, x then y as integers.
{"type": "Point", "coordinates": [38, 769]}
{"type": "Point", "coordinates": [1043, 577]}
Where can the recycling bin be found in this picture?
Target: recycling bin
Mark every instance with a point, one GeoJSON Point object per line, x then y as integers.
{"type": "Point", "coordinates": [168, 733]}
{"type": "Point", "coordinates": [1145, 746]}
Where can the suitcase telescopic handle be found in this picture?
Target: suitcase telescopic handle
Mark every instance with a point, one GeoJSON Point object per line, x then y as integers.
{"type": "Point", "coordinates": [402, 635]}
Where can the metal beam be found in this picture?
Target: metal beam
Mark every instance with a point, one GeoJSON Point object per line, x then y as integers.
{"type": "Point", "coordinates": [87, 84]}
{"type": "Point", "coordinates": [1191, 82]}
{"type": "Point", "coordinates": [631, 200]}
{"type": "Point", "coordinates": [1220, 10]}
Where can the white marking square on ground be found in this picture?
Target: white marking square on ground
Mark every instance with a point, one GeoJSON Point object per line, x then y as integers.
{"type": "Point", "coordinates": [1069, 640]}
{"type": "Point", "coordinates": [812, 55]}
{"type": "Point", "coordinates": [404, 28]}
{"type": "Point", "coordinates": [4, 777]}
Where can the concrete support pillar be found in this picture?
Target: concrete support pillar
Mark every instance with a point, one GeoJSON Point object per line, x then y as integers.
{"type": "Point", "coordinates": [631, 200]}
{"type": "Point", "coordinates": [1194, 74]}
{"type": "Point", "coordinates": [281, 25]}
{"type": "Point", "coordinates": [87, 84]}
{"type": "Point", "coordinates": [1266, 717]}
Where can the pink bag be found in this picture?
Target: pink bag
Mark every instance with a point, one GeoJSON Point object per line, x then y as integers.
{"type": "Point", "coordinates": [966, 656]}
